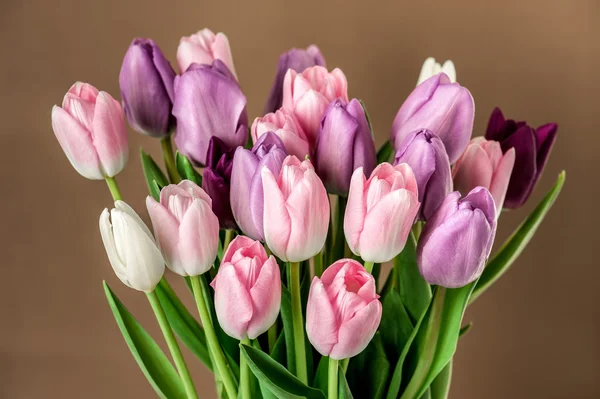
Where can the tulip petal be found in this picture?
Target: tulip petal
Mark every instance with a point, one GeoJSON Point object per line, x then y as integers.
{"type": "Point", "coordinates": [198, 238]}
{"type": "Point", "coordinates": [474, 170]}
{"type": "Point", "coordinates": [523, 177]}
{"type": "Point", "coordinates": [222, 51]}
{"type": "Point", "coordinates": [111, 249]}
{"type": "Point", "coordinates": [321, 321]}
{"type": "Point", "coordinates": [546, 136]}
{"type": "Point", "coordinates": [266, 298]}
{"type": "Point", "coordinates": [501, 179]}
{"type": "Point", "coordinates": [244, 168]}
{"type": "Point", "coordinates": [166, 230]}
{"type": "Point", "coordinates": [110, 134]}
{"type": "Point", "coordinates": [495, 124]}
{"type": "Point", "coordinates": [355, 334]}
{"type": "Point", "coordinates": [356, 210]}
{"type": "Point", "coordinates": [276, 221]}
{"type": "Point", "coordinates": [233, 303]}
{"type": "Point", "coordinates": [309, 110]}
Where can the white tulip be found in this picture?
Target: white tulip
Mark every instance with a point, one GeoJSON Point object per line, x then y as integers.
{"type": "Point", "coordinates": [131, 249]}
{"type": "Point", "coordinates": [431, 67]}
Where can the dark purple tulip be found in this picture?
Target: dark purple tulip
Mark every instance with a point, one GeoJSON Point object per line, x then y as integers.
{"type": "Point", "coordinates": [344, 143]}
{"type": "Point", "coordinates": [216, 181]}
{"type": "Point", "coordinates": [146, 82]}
{"type": "Point", "coordinates": [425, 153]}
{"type": "Point", "coordinates": [298, 60]}
{"type": "Point", "coordinates": [208, 103]}
{"type": "Point", "coordinates": [247, 200]}
{"type": "Point", "coordinates": [532, 148]}
{"type": "Point", "coordinates": [456, 241]}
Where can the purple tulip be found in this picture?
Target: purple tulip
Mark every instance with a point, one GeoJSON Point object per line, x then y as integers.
{"type": "Point", "coordinates": [208, 102]}
{"type": "Point", "coordinates": [424, 152]}
{"type": "Point", "coordinates": [445, 108]}
{"type": "Point", "coordinates": [344, 144]}
{"type": "Point", "coordinates": [247, 198]}
{"type": "Point", "coordinates": [216, 181]}
{"type": "Point", "coordinates": [298, 60]}
{"type": "Point", "coordinates": [146, 82]}
{"type": "Point", "coordinates": [456, 241]}
{"type": "Point", "coordinates": [532, 148]}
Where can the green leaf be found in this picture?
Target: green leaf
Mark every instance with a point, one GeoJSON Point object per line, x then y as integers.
{"type": "Point", "coordinates": [517, 242]}
{"type": "Point", "coordinates": [155, 178]}
{"type": "Point", "coordinates": [385, 152]}
{"type": "Point", "coordinates": [369, 371]}
{"type": "Point", "coordinates": [152, 361]}
{"type": "Point", "coordinates": [186, 170]}
{"type": "Point", "coordinates": [321, 375]}
{"type": "Point", "coordinates": [440, 387]}
{"type": "Point", "coordinates": [276, 378]}
{"type": "Point", "coordinates": [343, 388]}
{"type": "Point", "coordinates": [278, 352]}
{"type": "Point", "coordinates": [465, 329]}
{"type": "Point", "coordinates": [426, 395]}
{"type": "Point", "coordinates": [288, 328]}
{"type": "Point", "coordinates": [396, 325]}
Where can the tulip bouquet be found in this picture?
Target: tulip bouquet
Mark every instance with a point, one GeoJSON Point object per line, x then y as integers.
{"type": "Point", "coordinates": [283, 241]}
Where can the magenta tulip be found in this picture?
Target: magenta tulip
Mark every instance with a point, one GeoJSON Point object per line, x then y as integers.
{"type": "Point", "coordinates": [203, 48]}
{"type": "Point", "coordinates": [285, 125]}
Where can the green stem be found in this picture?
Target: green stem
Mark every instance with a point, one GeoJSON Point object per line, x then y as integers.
{"type": "Point", "coordinates": [227, 240]}
{"type": "Point", "coordinates": [344, 364]}
{"type": "Point", "coordinates": [167, 150]}
{"type": "Point", "coordinates": [337, 226]}
{"type": "Point", "coordinates": [245, 373]}
{"type": "Point", "coordinates": [211, 337]}
{"type": "Point", "coordinates": [318, 261]}
{"type": "Point", "coordinates": [114, 188]}
{"type": "Point", "coordinates": [184, 373]}
{"type": "Point", "coordinates": [298, 323]}
{"type": "Point", "coordinates": [417, 229]}
{"type": "Point", "coordinates": [332, 385]}
{"type": "Point", "coordinates": [272, 336]}
{"type": "Point", "coordinates": [369, 266]}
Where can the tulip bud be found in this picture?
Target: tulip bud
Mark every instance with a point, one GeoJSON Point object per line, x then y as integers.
{"type": "Point", "coordinates": [345, 143]}
{"type": "Point", "coordinates": [483, 164]}
{"type": "Point", "coordinates": [457, 240]}
{"type": "Point", "coordinates": [532, 148]}
{"type": "Point", "coordinates": [146, 82]}
{"type": "Point", "coordinates": [221, 113]}
{"type": "Point", "coordinates": [186, 228]}
{"type": "Point", "coordinates": [343, 310]}
{"type": "Point", "coordinates": [203, 48]}
{"type": "Point", "coordinates": [246, 196]}
{"type": "Point", "coordinates": [216, 181]}
{"type": "Point", "coordinates": [247, 289]}
{"type": "Point", "coordinates": [285, 125]}
{"type": "Point", "coordinates": [381, 211]}
{"type": "Point", "coordinates": [131, 249]}
{"type": "Point", "coordinates": [298, 60]}
{"type": "Point", "coordinates": [445, 108]}
{"type": "Point", "coordinates": [424, 152]}
{"type": "Point", "coordinates": [296, 210]}
{"type": "Point", "coordinates": [431, 67]}
{"type": "Point", "coordinates": [91, 131]}
{"type": "Point", "coordinates": [309, 93]}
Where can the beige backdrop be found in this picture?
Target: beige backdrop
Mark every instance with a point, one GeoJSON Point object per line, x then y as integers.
{"type": "Point", "coordinates": [535, 335]}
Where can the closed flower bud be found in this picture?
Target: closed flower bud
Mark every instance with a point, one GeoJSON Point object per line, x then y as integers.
{"type": "Point", "coordinates": [186, 228]}
{"type": "Point", "coordinates": [221, 111]}
{"type": "Point", "coordinates": [483, 164]}
{"type": "Point", "coordinates": [131, 249]}
{"type": "Point", "coordinates": [296, 210]}
{"type": "Point", "coordinates": [203, 48]}
{"type": "Point", "coordinates": [90, 128]}
{"type": "Point", "coordinates": [247, 200]}
{"type": "Point", "coordinates": [532, 148]}
{"type": "Point", "coordinates": [381, 211]}
{"type": "Point", "coordinates": [216, 181]}
{"type": "Point", "coordinates": [284, 124]}
{"type": "Point", "coordinates": [456, 241]}
{"type": "Point", "coordinates": [298, 60]}
{"type": "Point", "coordinates": [343, 310]}
{"type": "Point", "coordinates": [247, 289]}
{"type": "Point", "coordinates": [345, 143]}
{"type": "Point", "coordinates": [424, 152]}
{"type": "Point", "coordinates": [431, 67]}
{"type": "Point", "coordinates": [146, 82]}
{"type": "Point", "coordinates": [309, 93]}
{"type": "Point", "coordinates": [445, 108]}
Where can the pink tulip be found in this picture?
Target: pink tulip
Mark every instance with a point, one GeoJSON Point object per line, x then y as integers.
{"type": "Point", "coordinates": [247, 289]}
{"type": "Point", "coordinates": [90, 128]}
{"type": "Point", "coordinates": [285, 125]}
{"type": "Point", "coordinates": [186, 229]}
{"type": "Point", "coordinates": [343, 310]}
{"type": "Point", "coordinates": [203, 48]}
{"type": "Point", "coordinates": [296, 210]}
{"type": "Point", "coordinates": [482, 164]}
{"type": "Point", "coordinates": [381, 211]}
{"type": "Point", "coordinates": [309, 93]}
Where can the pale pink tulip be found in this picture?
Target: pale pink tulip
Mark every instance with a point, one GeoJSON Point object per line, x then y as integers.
{"type": "Point", "coordinates": [203, 48]}
{"type": "Point", "coordinates": [381, 211]}
{"type": "Point", "coordinates": [296, 210]}
{"type": "Point", "coordinates": [343, 310]}
{"type": "Point", "coordinates": [483, 164]}
{"type": "Point", "coordinates": [186, 229]}
{"type": "Point", "coordinates": [285, 125]}
{"type": "Point", "coordinates": [247, 289]}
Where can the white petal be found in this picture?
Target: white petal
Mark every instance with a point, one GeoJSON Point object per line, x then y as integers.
{"type": "Point", "coordinates": [448, 69]}
{"type": "Point", "coordinates": [124, 206]}
{"type": "Point", "coordinates": [427, 70]}
{"type": "Point", "coordinates": [111, 250]}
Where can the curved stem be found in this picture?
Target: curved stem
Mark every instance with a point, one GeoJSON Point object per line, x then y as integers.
{"type": "Point", "coordinates": [369, 266]}
{"type": "Point", "coordinates": [114, 188]}
{"type": "Point", "coordinates": [227, 240]}
{"type": "Point", "coordinates": [184, 373]}
{"type": "Point", "coordinates": [167, 150]}
{"type": "Point", "coordinates": [272, 336]}
{"type": "Point", "coordinates": [245, 373]}
{"type": "Point", "coordinates": [332, 385]}
{"type": "Point", "coordinates": [298, 323]}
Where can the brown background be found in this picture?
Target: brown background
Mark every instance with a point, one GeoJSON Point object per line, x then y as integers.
{"type": "Point", "coordinates": [535, 334]}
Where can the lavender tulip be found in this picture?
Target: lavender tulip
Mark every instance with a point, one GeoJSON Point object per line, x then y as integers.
{"type": "Point", "coordinates": [146, 82]}
{"type": "Point", "coordinates": [246, 196]}
{"type": "Point", "coordinates": [344, 144]}
{"type": "Point", "coordinates": [532, 148]}
{"type": "Point", "coordinates": [216, 181]}
{"type": "Point", "coordinates": [424, 152]}
{"type": "Point", "coordinates": [445, 108]}
{"type": "Point", "coordinates": [456, 241]}
{"type": "Point", "coordinates": [298, 60]}
{"type": "Point", "coordinates": [208, 102]}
